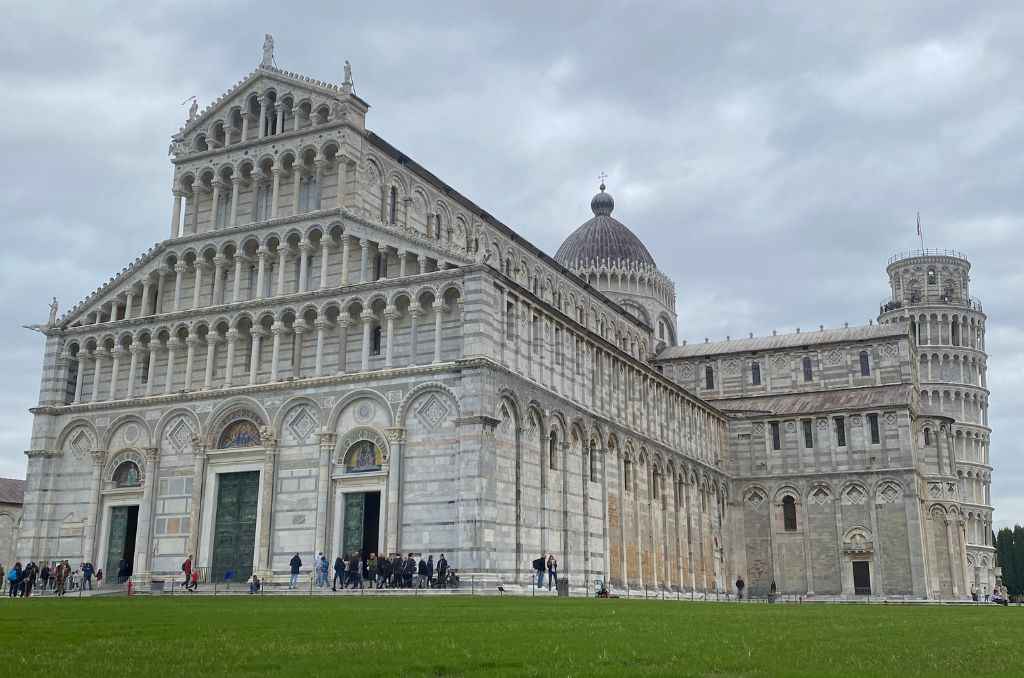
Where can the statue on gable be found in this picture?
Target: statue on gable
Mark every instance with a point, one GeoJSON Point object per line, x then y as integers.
{"type": "Point", "coordinates": [53, 312]}
{"type": "Point", "coordinates": [348, 73]}
{"type": "Point", "coordinates": [268, 50]}
{"type": "Point", "coordinates": [193, 111]}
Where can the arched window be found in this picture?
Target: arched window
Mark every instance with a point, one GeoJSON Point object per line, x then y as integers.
{"type": "Point", "coordinates": [127, 475]}
{"type": "Point", "coordinates": [593, 463]}
{"type": "Point", "coordinates": [755, 373]}
{"type": "Point", "coordinates": [789, 513]}
{"type": "Point", "coordinates": [865, 365]}
{"type": "Point", "coordinates": [655, 484]}
{"type": "Point", "coordinates": [955, 332]}
{"type": "Point", "coordinates": [437, 226]}
{"type": "Point", "coordinates": [553, 452]}
{"type": "Point", "coordinates": [375, 340]}
{"type": "Point", "coordinates": [627, 474]}
{"type": "Point", "coordinates": [392, 204]}
{"type": "Point", "coordinates": [709, 376]}
{"type": "Point", "coordinates": [508, 267]}
{"type": "Point", "coordinates": [808, 371]}
{"type": "Point", "coordinates": [927, 436]}
{"type": "Point", "coordinates": [932, 278]}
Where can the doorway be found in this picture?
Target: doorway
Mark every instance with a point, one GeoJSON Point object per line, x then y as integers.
{"type": "Point", "coordinates": [234, 532]}
{"type": "Point", "coordinates": [124, 524]}
{"type": "Point", "coordinates": [361, 528]}
{"type": "Point", "coordinates": [862, 578]}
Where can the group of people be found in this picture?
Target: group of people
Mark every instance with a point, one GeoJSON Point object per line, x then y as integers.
{"type": "Point", "coordinates": [58, 577]}
{"type": "Point", "coordinates": [550, 565]}
{"type": "Point", "coordinates": [395, 572]}
{"type": "Point", "coordinates": [999, 595]}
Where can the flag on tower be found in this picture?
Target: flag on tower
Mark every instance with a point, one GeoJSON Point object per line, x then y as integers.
{"type": "Point", "coordinates": [919, 224]}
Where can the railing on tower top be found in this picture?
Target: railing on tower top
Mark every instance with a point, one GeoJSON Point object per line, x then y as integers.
{"type": "Point", "coordinates": [887, 305]}
{"type": "Point", "coordinates": [927, 253]}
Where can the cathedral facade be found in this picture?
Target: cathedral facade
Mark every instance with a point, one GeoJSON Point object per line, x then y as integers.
{"type": "Point", "coordinates": [335, 351]}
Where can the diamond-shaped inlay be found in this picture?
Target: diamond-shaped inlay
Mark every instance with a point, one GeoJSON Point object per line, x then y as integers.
{"type": "Point", "coordinates": [781, 362]}
{"type": "Point", "coordinates": [820, 496]}
{"type": "Point", "coordinates": [889, 417]}
{"type": "Point", "coordinates": [855, 421]}
{"type": "Point", "coordinates": [80, 444]}
{"type": "Point", "coordinates": [759, 428]}
{"type": "Point", "coordinates": [755, 498]}
{"type": "Point", "coordinates": [889, 350]}
{"type": "Point", "coordinates": [889, 494]}
{"type": "Point", "coordinates": [180, 435]}
{"type": "Point", "coordinates": [934, 491]}
{"type": "Point", "coordinates": [687, 371]}
{"type": "Point", "coordinates": [732, 366]}
{"type": "Point", "coordinates": [432, 412]}
{"type": "Point", "coordinates": [302, 424]}
{"type": "Point", "coordinates": [822, 424]}
{"type": "Point", "coordinates": [855, 495]}
{"type": "Point", "coordinates": [833, 357]}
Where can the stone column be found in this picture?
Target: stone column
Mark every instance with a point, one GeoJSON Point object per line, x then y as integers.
{"type": "Point", "coordinates": [144, 547]}
{"type": "Point", "coordinates": [296, 186]}
{"type": "Point", "coordinates": [279, 109]}
{"type": "Point", "coordinates": [298, 329]}
{"type": "Point", "coordinates": [179, 269]}
{"type": "Point", "coordinates": [89, 532]}
{"type": "Point", "coordinates": [367, 318]}
{"type": "Point", "coordinates": [263, 117]}
{"type": "Point", "coordinates": [342, 344]}
{"type": "Point", "coordinates": [229, 368]}
{"type": "Point", "coordinates": [414, 315]}
{"type": "Point", "coordinates": [275, 355]}
{"type": "Point", "coordinates": [438, 310]}
{"type": "Point", "coordinates": [325, 250]}
{"type": "Point", "coordinates": [321, 330]}
{"type": "Point", "coordinates": [393, 507]}
{"type": "Point", "coordinates": [303, 266]}
{"type": "Point", "coordinates": [326, 443]}
{"type": "Point", "coordinates": [261, 271]}
{"type": "Point", "coordinates": [161, 280]}
{"type": "Point", "coordinates": [364, 244]}
{"type": "Point", "coordinates": [342, 163]}
{"type": "Point", "coordinates": [79, 378]}
{"type": "Point", "coordinates": [191, 341]}
{"type": "Point", "coordinates": [218, 280]}
{"type": "Point", "coordinates": [345, 252]}
{"type": "Point", "coordinates": [245, 125]}
{"type": "Point", "coordinates": [282, 258]}
{"type": "Point", "coordinates": [211, 346]}
{"type": "Point", "coordinates": [198, 480]}
{"type": "Point", "coordinates": [176, 214]}
{"type": "Point", "coordinates": [173, 344]}
{"type": "Point", "coordinates": [115, 367]}
{"type": "Point", "coordinates": [236, 288]}
{"type": "Point", "coordinates": [254, 357]}
{"type": "Point", "coordinates": [275, 192]}
{"type": "Point", "coordinates": [267, 483]}
{"type": "Point", "coordinates": [217, 185]}
{"type": "Point", "coordinates": [192, 223]}
{"type": "Point", "coordinates": [422, 258]}
{"type": "Point", "coordinates": [198, 291]}
{"type": "Point", "coordinates": [318, 178]}
{"type": "Point", "coordinates": [236, 188]}
{"type": "Point", "coordinates": [401, 263]}
{"type": "Point", "coordinates": [129, 299]}
{"type": "Point", "coordinates": [152, 349]}
{"type": "Point", "coordinates": [133, 366]}
{"type": "Point", "coordinates": [147, 286]}
{"type": "Point", "coordinates": [389, 316]}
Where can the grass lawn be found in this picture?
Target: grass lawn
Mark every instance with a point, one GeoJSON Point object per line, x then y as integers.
{"type": "Point", "coordinates": [359, 637]}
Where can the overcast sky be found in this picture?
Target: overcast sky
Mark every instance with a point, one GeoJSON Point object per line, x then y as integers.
{"type": "Point", "coordinates": [772, 156]}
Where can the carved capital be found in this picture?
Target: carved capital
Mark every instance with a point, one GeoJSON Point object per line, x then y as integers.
{"type": "Point", "coordinates": [97, 455]}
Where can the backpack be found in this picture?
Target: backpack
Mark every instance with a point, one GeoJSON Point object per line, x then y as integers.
{"type": "Point", "coordinates": [183, 566]}
{"type": "Point", "coordinates": [12, 575]}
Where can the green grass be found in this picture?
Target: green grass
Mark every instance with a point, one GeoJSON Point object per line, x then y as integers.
{"type": "Point", "coordinates": [359, 637]}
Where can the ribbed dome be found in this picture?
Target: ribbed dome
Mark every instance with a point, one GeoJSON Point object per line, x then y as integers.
{"type": "Point", "coordinates": [602, 238]}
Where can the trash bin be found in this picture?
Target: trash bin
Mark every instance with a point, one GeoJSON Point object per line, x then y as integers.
{"type": "Point", "coordinates": [562, 586]}
{"type": "Point", "coordinates": [156, 587]}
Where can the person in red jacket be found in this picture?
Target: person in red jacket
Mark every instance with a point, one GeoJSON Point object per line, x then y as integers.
{"type": "Point", "coordinates": [186, 567]}
{"type": "Point", "coordinates": [194, 581]}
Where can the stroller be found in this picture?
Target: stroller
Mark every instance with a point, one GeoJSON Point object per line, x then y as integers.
{"type": "Point", "coordinates": [600, 590]}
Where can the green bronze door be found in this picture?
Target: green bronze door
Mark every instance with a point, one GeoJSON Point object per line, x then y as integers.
{"type": "Point", "coordinates": [352, 537]}
{"type": "Point", "coordinates": [115, 542]}
{"type": "Point", "coordinates": [234, 534]}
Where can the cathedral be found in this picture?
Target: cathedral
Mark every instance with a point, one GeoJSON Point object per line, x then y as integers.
{"type": "Point", "coordinates": [334, 350]}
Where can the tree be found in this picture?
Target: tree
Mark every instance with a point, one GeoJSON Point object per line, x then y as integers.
{"type": "Point", "coordinates": [1006, 557]}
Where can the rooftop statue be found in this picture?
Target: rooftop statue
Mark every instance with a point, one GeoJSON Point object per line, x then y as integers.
{"type": "Point", "coordinates": [268, 50]}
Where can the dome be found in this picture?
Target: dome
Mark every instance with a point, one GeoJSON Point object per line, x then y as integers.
{"type": "Point", "coordinates": [603, 238]}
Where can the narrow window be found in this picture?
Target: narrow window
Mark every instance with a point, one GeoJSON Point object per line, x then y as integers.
{"type": "Point", "coordinates": [375, 341]}
{"type": "Point", "coordinates": [627, 474]}
{"type": "Point", "coordinates": [755, 374]}
{"type": "Point", "coordinates": [593, 465]}
{"type": "Point", "coordinates": [776, 437]}
{"type": "Point", "coordinates": [808, 372]}
{"type": "Point", "coordinates": [552, 454]}
{"type": "Point", "coordinates": [655, 484]}
{"type": "Point", "coordinates": [840, 432]}
{"type": "Point", "coordinates": [808, 434]}
{"type": "Point", "coordinates": [789, 513]}
{"type": "Point", "coordinates": [865, 365]}
{"type": "Point", "coordinates": [510, 320]}
{"type": "Point", "coordinates": [145, 369]}
{"type": "Point", "coordinates": [508, 267]}
{"type": "Point", "coordinates": [709, 376]}
{"type": "Point", "coordinates": [955, 332]}
{"type": "Point", "coordinates": [931, 276]}
{"type": "Point", "coordinates": [661, 329]}
{"type": "Point", "coordinates": [927, 436]}
{"type": "Point", "coordinates": [875, 434]}
{"type": "Point", "coordinates": [437, 226]}
{"type": "Point", "coordinates": [392, 202]}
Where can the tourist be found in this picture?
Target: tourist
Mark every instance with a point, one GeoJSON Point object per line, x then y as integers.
{"type": "Point", "coordinates": [3, 577]}
{"type": "Point", "coordinates": [14, 580]}
{"type": "Point", "coordinates": [371, 569]}
{"type": "Point", "coordinates": [322, 567]}
{"type": "Point", "coordinates": [124, 571]}
{"type": "Point", "coordinates": [193, 583]}
{"type": "Point", "coordinates": [396, 571]}
{"type": "Point", "coordinates": [44, 577]}
{"type": "Point", "coordinates": [355, 571]}
{"type": "Point", "coordinates": [421, 572]}
{"type": "Point", "coordinates": [740, 584]}
{"type": "Point", "coordinates": [60, 584]}
{"type": "Point", "coordinates": [28, 577]}
{"type": "Point", "coordinates": [430, 571]}
{"type": "Point", "coordinates": [552, 572]}
{"type": "Point", "coordinates": [383, 572]}
{"type": "Point", "coordinates": [539, 565]}
{"type": "Point", "coordinates": [87, 572]}
{"type": "Point", "coordinates": [254, 584]}
{"type": "Point", "coordinates": [442, 572]}
{"type": "Point", "coordinates": [295, 563]}
{"type": "Point", "coordinates": [408, 570]}
{"type": "Point", "coordinates": [974, 592]}
{"type": "Point", "coordinates": [53, 574]}
{"type": "Point", "coordinates": [186, 567]}
{"type": "Point", "coordinates": [99, 577]}
{"type": "Point", "coordinates": [985, 592]}
{"type": "Point", "coordinates": [339, 574]}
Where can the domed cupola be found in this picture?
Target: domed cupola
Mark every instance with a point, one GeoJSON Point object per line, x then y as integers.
{"type": "Point", "coordinates": [609, 256]}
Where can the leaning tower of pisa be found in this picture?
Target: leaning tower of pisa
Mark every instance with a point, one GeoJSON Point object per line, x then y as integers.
{"type": "Point", "coordinates": [931, 289]}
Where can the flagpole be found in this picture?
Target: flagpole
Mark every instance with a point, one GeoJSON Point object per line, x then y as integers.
{"type": "Point", "coordinates": [920, 232]}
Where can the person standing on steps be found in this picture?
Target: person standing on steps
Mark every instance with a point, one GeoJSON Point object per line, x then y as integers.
{"type": "Point", "coordinates": [295, 563]}
{"type": "Point", "coordinates": [186, 567]}
{"type": "Point", "coordinates": [552, 572]}
{"type": "Point", "coordinates": [339, 573]}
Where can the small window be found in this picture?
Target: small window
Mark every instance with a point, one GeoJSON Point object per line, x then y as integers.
{"type": "Point", "coordinates": [776, 436]}
{"type": "Point", "coordinates": [375, 341]}
{"type": "Point", "coordinates": [808, 434]}
{"type": "Point", "coordinates": [789, 513]}
{"type": "Point", "coordinates": [593, 464]}
{"type": "Point", "coordinates": [508, 267]}
{"type": "Point", "coordinates": [553, 452]}
{"type": "Point", "coordinates": [437, 226]}
{"type": "Point", "coordinates": [661, 329]}
{"type": "Point", "coordinates": [875, 433]}
{"type": "Point", "coordinates": [865, 364]}
{"type": "Point", "coordinates": [709, 376]}
{"type": "Point", "coordinates": [627, 474]}
{"type": "Point", "coordinates": [655, 485]}
{"type": "Point", "coordinates": [931, 276]}
{"type": "Point", "coordinates": [392, 204]}
{"type": "Point", "coordinates": [755, 374]}
{"type": "Point", "coordinates": [808, 371]}
{"type": "Point", "coordinates": [955, 333]}
{"type": "Point", "coordinates": [840, 431]}
{"type": "Point", "coordinates": [927, 436]}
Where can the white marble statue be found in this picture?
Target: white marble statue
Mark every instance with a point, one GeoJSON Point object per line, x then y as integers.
{"type": "Point", "coordinates": [268, 50]}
